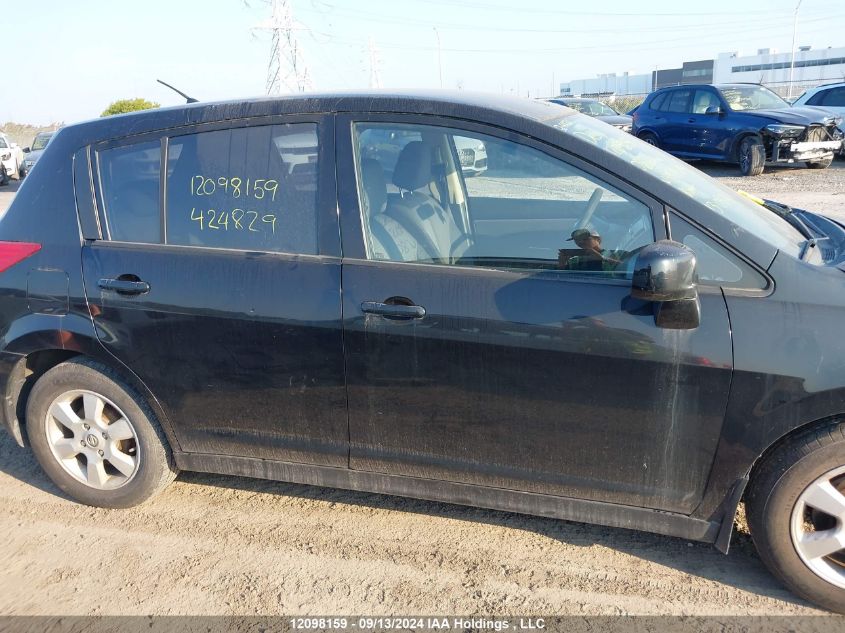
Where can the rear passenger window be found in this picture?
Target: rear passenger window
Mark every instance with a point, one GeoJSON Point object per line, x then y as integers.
{"type": "Point", "coordinates": [129, 181]}
{"type": "Point", "coordinates": [678, 101]}
{"type": "Point", "coordinates": [250, 188]}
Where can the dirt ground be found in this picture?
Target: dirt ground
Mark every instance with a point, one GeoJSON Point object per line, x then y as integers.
{"type": "Point", "coordinates": [235, 546]}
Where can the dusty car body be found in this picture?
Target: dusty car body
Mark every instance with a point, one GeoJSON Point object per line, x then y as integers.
{"type": "Point", "coordinates": [378, 322]}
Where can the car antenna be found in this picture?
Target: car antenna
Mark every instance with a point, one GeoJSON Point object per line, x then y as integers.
{"type": "Point", "coordinates": [190, 99]}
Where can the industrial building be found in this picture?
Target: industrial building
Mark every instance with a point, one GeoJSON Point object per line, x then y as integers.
{"type": "Point", "coordinates": [768, 66]}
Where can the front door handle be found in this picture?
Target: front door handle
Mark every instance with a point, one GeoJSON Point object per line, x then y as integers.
{"type": "Point", "coordinates": [395, 310]}
{"type": "Point", "coordinates": [690, 120]}
{"type": "Point", "coordinates": [125, 286]}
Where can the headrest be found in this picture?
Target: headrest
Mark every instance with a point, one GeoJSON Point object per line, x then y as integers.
{"type": "Point", "coordinates": [375, 185]}
{"type": "Point", "coordinates": [413, 167]}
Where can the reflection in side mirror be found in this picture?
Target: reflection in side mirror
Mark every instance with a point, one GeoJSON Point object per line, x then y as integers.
{"type": "Point", "coordinates": [713, 110]}
{"type": "Point", "coordinates": [664, 274]}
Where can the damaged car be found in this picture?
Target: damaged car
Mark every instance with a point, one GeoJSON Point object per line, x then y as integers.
{"type": "Point", "coordinates": [745, 124]}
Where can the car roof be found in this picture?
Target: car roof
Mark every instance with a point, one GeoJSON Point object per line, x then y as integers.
{"type": "Point", "coordinates": [446, 103]}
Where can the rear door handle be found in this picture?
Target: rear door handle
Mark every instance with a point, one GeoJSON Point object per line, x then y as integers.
{"type": "Point", "coordinates": [395, 310]}
{"type": "Point", "coordinates": [124, 286]}
{"type": "Point", "coordinates": [690, 120]}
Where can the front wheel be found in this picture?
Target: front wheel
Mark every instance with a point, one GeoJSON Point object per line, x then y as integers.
{"type": "Point", "coordinates": [796, 512]}
{"type": "Point", "coordinates": [95, 437]}
{"type": "Point", "coordinates": [824, 163]}
{"type": "Point", "coordinates": [752, 156]}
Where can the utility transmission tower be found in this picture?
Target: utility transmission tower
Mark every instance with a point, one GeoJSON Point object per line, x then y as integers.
{"type": "Point", "coordinates": [286, 71]}
{"type": "Point", "coordinates": [375, 63]}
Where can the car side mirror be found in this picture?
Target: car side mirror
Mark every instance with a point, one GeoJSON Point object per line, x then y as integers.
{"type": "Point", "coordinates": [26, 150]}
{"type": "Point", "coordinates": [664, 275]}
{"type": "Point", "coordinates": [713, 110]}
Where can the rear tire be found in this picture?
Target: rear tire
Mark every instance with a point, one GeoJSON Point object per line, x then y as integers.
{"type": "Point", "coordinates": [649, 138]}
{"type": "Point", "coordinates": [824, 163]}
{"type": "Point", "coordinates": [96, 438]}
{"type": "Point", "coordinates": [752, 156]}
{"type": "Point", "coordinates": [796, 511]}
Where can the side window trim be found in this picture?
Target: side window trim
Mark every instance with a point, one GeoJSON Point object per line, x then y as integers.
{"type": "Point", "coordinates": [351, 213]}
{"type": "Point", "coordinates": [89, 219]}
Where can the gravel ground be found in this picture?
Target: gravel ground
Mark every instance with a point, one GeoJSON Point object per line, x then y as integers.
{"type": "Point", "coordinates": [234, 546]}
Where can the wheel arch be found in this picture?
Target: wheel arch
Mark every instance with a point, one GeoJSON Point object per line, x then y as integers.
{"type": "Point", "coordinates": [787, 438]}
{"type": "Point", "coordinates": [739, 138]}
{"type": "Point", "coordinates": [38, 359]}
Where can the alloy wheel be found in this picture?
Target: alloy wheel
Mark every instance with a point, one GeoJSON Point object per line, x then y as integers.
{"type": "Point", "coordinates": [92, 439]}
{"type": "Point", "coordinates": [817, 527]}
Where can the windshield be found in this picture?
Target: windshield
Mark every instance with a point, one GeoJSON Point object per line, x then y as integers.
{"type": "Point", "coordinates": [593, 108]}
{"type": "Point", "coordinates": [738, 209]}
{"type": "Point", "coordinates": [741, 98]}
{"type": "Point", "coordinates": [41, 141]}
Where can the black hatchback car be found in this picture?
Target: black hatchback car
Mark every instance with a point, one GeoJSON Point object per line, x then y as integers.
{"type": "Point", "coordinates": [745, 124]}
{"type": "Point", "coordinates": [589, 330]}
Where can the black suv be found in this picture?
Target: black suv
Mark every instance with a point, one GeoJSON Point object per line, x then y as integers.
{"type": "Point", "coordinates": [738, 123]}
{"type": "Point", "coordinates": [590, 329]}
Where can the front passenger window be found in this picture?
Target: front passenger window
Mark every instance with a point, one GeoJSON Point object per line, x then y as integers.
{"type": "Point", "coordinates": [461, 198]}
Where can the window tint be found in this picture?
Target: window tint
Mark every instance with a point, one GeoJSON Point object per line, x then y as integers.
{"type": "Point", "coordinates": [834, 97]}
{"type": "Point", "coordinates": [3, 143]}
{"type": "Point", "coordinates": [678, 101]}
{"type": "Point", "coordinates": [250, 188]}
{"type": "Point", "coordinates": [657, 102]}
{"type": "Point", "coordinates": [129, 180]}
{"type": "Point", "coordinates": [716, 266]}
{"type": "Point", "coordinates": [456, 197]}
{"type": "Point", "coordinates": [704, 99]}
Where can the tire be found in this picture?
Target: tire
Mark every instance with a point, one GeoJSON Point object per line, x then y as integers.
{"type": "Point", "coordinates": [751, 155]}
{"type": "Point", "coordinates": [4, 179]}
{"type": "Point", "coordinates": [77, 410]}
{"type": "Point", "coordinates": [649, 138]}
{"type": "Point", "coordinates": [809, 467]}
{"type": "Point", "coordinates": [824, 163]}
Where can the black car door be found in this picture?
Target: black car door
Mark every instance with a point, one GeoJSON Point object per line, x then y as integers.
{"type": "Point", "coordinates": [485, 345]}
{"type": "Point", "coordinates": [216, 280]}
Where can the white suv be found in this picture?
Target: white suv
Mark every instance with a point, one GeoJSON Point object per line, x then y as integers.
{"type": "Point", "coordinates": [830, 97]}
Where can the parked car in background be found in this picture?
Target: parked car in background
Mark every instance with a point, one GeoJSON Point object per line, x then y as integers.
{"type": "Point", "coordinates": [596, 109]}
{"type": "Point", "coordinates": [472, 154]}
{"type": "Point", "coordinates": [11, 157]}
{"type": "Point", "coordinates": [745, 124]}
{"type": "Point", "coordinates": [578, 337]}
{"type": "Point", "coordinates": [830, 97]}
{"type": "Point", "coordinates": [34, 151]}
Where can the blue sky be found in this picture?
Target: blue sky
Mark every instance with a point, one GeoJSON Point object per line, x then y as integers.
{"type": "Point", "coordinates": [71, 59]}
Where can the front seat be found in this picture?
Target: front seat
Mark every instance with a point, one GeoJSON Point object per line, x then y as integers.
{"type": "Point", "coordinates": [418, 211]}
{"type": "Point", "coordinates": [388, 239]}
